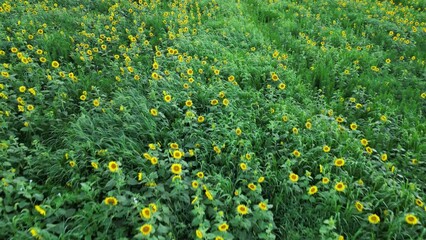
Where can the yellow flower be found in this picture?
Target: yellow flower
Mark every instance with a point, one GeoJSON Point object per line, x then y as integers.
{"type": "Point", "coordinates": [411, 219]}
{"type": "Point", "coordinates": [218, 238]}
{"type": "Point", "coordinates": [260, 179]}
{"type": "Point", "coordinates": [263, 206]}
{"type": "Point", "coordinates": [282, 86]}
{"type": "Point", "coordinates": [40, 210]}
{"type": "Point", "coordinates": [174, 146]}
{"type": "Point", "coordinates": [359, 206]}
{"type": "Point", "coordinates": [113, 166]}
{"type": "Point", "coordinates": [295, 130]}
{"type": "Point", "coordinates": [383, 118]}
{"type": "Point", "coordinates": [95, 165]}
{"type": "Point", "coordinates": [373, 219]}
{"type": "Point", "coordinates": [200, 174]}
{"type": "Point", "coordinates": [111, 201]}
{"type": "Point", "coordinates": [177, 154]}
{"type": "Point", "coordinates": [384, 157]}
{"type": "Point", "coordinates": [339, 162]}
{"type": "Point", "coordinates": [209, 195]}
{"type": "Point", "coordinates": [145, 213]}
{"type": "Point", "coordinates": [199, 234]}
{"type": "Point", "coordinates": [274, 77]}
{"type": "Point", "coordinates": [146, 229]}
{"type": "Point", "coordinates": [154, 112]}
{"type": "Point", "coordinates": [34, 233]}
{"type": "Point", "coordinates": [242, 209]}
{"type": "Point", "coordinates": [83, 97]}
{"type": "Point", "coordinates": [167, 98]}
{"type": "Point", "coordinates": [188, 103]}
{"type": "Point", "coordinates": [419, 202]}
{"type": "Point", "coordinates": [223, 227]}
{"type": "Point", "coordinates": [30, 107]}
{"type": "Point", "coordinates": [214, 102]}
{"type": "Point", "coordinates": [194, 184]}
{"type": "Point", "coordinates": [296, 153]}
{"type": "Point", "coordinates": [153, 207]}
{"type": "Point", "coordinates": [72, 163]}
{"type": "Point", "coordinates": [96, 102]}
{"type": "Point", "coordinates": [252, 186]}
{"type": "Point", "coordinates": [308, 125]}
{"type": "Point", "coordinates": [293, 177]}
{"type": "Point", "coordinates": [369, 150]}
{"type": "Point", "coordinates": [154, 160]}
{"type": "Point", "coordinates": [22, 89]}
{"type": "Point", "coordinates": [176, 168]}
{"type": "Point", "coordinates": [340, 186]}
{"type": "Point", "coordinates": [55, 64]}
{"type": "Point", "coordinates": [200, 119]}
{"type": "Point", "coordinates": [326, 149]}
{"type": "Point", "coordinates": [243, 166]}
{"type": "Point", "coordinates": [312, 190]}
{"type": "Point", "coordinates": [325, 180]}
{"type": "Point", "coordinates": [353, 126]}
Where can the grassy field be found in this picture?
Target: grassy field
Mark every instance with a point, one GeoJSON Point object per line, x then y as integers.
{"type": "Point", "coordinates": [213, 119]}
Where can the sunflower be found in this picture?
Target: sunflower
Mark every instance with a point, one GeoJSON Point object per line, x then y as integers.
{"type": "Point", "coordinates": [260, 179]}
{"type": "Point", "coordinates": [384, 157]}
{"type": "Point", "coordinates": [146, 229]}
{"type": "Point", "coordinates": [145, 213]}
{"type": "Point", "coordinates": [252, 186]}
{"type": "Point", "coordinates": [325, 180]}
{"type": "Point", "coordinates": [359, 206]}
{"type": "Point", "coordinates": [411, 219]}
{"type": "Point", "coordinates": [364, 142]}
{"type": "Point", "coordinates": [177, 154]}
{"type": "Point", "coordinates": [238, 131]}
{"type": "Point", "coordinates": [22, 89]}
{"type": "Point", "coordinates": [40, 210]}
{"type": "Point", "coordinates": [243, 166]}
{"type": "Point", "coordinates": [353, 126]}
{"type": "Point", "coordinates": [242, 209]}
{"type": "Point", "coordinates": [419, 202]}
{"type": "Point", "coordinates": [111, 201]}
{"type": "Point", "coordinates": [200, 174]}
{"type": "Point", "coordinates": [188, 103]}
{"type": "Point", "coordinates": [194, 184]}
{"type": "Point", "coordinates": [55, 64]}
{"type": "Point", "coordinates": [326, 148]}
{"type": "Point", "coordinates": [263, 206]}
{"type": "Point", "coordinates": [154, 112]}
{"type": "Point", "coordinates": [312, 190]}
{"type": "Point", "coordinates": [308, 125]}
{"type": "Point", "coordinates": [296, 153]}
{"type": "Point", "coordinates": [167, 98]}
{"type": "Point", "coordinates": [223, 227]}
{"type": "Point", "coordinates": [214, 102]}
{"type": "Point", "coordinates": [369, 150]}
{"type": "Point", "coordinates": [96, 102]}
{"type": "Point", "coordinates": [199, 234]}
{"type": "Point", "coordinates": [340, 186]}
{"type": "Point", "coordinates": [201, 119]}
{"type": "Point", "coordinates": [373, 219]}
{"type": "Point", "coordinates": [176, 168]}
{"type": "Point", "coordinates": [293, 177]}
{"type": "Point", "coordinates": [113, 166]}
{"type": "Point", "coordinates": [339, 162]}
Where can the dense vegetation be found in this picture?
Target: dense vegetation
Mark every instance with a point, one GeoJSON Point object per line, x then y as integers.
{"type": "Point", "coordinates": [212, 119]}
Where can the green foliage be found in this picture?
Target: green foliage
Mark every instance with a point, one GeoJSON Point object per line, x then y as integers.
{"type": "Point", "coordinates": [212, 119]}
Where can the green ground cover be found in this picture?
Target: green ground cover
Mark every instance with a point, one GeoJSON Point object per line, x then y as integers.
{"type": "Point", "coordinates": [216, 119]}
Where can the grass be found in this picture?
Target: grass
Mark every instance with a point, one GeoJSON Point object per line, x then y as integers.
{"type": "Point", "coordinates": [212, 119]}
